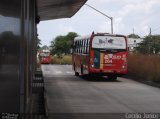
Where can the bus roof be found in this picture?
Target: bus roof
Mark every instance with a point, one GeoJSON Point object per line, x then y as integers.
{"type": "Point", "coordinates": [82, 37]}
{"type": "Point", "coordinates": [97, 34]}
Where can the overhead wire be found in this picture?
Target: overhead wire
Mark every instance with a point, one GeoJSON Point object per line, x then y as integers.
{"type": "Point", "coordinates": [156, 29]}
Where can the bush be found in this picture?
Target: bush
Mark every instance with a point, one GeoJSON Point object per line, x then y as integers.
{"type": "Point", "coordinates": [144, 66]}
{"type": "Point", "coordinates": [67, 59]}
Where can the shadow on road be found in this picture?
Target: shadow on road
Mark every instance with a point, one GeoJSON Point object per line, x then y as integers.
{"type": "Point", "coordinates": [98, 79]}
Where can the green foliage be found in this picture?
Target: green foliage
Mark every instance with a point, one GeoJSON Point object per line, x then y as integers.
{"type": "Point", "coordinates": [38, 43]}
{"type": "Point", "coordinates": [44, 47]}
{"type": "Point", "coordinates": [150, 45]}
{"type": "Point", "coordinates": [62, 44]}
{"type": "Point", "coordinates": [133, 36]}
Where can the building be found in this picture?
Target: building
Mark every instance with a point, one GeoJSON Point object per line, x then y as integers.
{"type": "Point", "coordinates": [133, 43]}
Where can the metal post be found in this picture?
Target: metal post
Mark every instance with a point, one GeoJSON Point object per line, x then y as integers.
{"type": "Point", "coordinates": [111, 25]}
{"type": "Point", "coordinates": [111, 18]}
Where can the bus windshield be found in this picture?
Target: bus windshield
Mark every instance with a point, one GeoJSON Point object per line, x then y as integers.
{"type": "Point", "coordinates": [109, 42]}
{"type": "Point", "coordinates": [44, 54]}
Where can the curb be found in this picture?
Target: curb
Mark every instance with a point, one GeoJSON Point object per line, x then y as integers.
{"type": "Point", "coordinates": [147, 82]}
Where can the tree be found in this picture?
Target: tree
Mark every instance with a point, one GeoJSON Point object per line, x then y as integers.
{"type": "Point", "coordinates": [133, 36]}
{"type": "Point", "coordinates": [45, 47]}
{"type": "Point", "coordinates": [62, 44]}
{"type": "Point", "coordinates": [71, 35]}
{"type": "Point", "coordinates": [151, 45]}
{"type": "Point", "coordinates": [38, 43]}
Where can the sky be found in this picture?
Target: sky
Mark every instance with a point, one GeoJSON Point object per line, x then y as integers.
{"type": "Point", "coordinates": [140, 15]}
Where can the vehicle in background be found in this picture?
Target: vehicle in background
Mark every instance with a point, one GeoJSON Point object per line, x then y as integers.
{"type": "Point", "coordinates": [45, 57]}
{"type": "Point", "coordinates": [100, 54]}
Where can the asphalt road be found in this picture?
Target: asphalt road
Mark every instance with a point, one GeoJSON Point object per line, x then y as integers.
{"type": "Point", "coordinates": [68, 94]}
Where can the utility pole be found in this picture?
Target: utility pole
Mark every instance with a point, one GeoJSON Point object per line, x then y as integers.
{"type": "Point", "coordinates": [150, 31]}
{"type": "Point", "coordinates": [111, 18]}
{"type": "Point", "coordinates": [152, 42]}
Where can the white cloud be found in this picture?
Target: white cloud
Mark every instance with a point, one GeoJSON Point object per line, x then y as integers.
{"type": "Point", "coordinates": [118, 25]}
{"type": "Point", "coordinates": [104, 27]}
{"type": "Point", "coordinates": [64, 29]}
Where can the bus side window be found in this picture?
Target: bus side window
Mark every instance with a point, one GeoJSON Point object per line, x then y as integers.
{"type": "Point", "coordinates": [81, 46]}
{"type": "Point", "coordinates": [87, 50]}
{"type": "Point", "coordinates": [77, 46]}
{"type": "Point", "coordinates": [84, 46]}
{"type": "Point", "coordinates": [74, 46]}
{"type": "Point", "coordinates": [83, 42]}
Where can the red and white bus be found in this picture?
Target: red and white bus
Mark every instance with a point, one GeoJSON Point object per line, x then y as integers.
{"type": "Point", "coordinates": [45, 57]}
{"type": "Point", "coordinates": [100, 54]}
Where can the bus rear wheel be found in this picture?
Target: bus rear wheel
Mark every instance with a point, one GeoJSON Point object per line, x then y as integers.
{"type": "Point", "coordinates": [112, 78]}
{"type": "Point", "coordinates": [76, 74]}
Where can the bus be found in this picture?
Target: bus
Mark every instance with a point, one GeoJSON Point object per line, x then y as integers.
{"type": "Point", "coordinates": [45, 57]}
{"type": "Point", "coordinates": [100, 54]}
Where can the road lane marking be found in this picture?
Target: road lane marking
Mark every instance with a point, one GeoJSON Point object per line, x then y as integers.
{"type": "Point", "coordinates": [58, 72]}
{"type": "Point", "coordinates": [46, 72]}
{"type": "Point", "coordinates": [69, 72]}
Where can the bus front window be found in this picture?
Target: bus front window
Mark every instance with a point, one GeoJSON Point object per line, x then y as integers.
{"type": "Point", "coordinates": [109, 42]}
{"type": "Point", "coordinates": [44, 54]}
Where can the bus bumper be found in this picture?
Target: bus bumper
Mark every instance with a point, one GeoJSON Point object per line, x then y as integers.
{"type": "Point", "coordinates": [108, 72]}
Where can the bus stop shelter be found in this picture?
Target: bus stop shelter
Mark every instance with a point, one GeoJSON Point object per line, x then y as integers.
{"type": "Point", "coordinates": [18, 42]}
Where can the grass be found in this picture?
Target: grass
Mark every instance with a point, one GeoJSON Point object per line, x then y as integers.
{"type": "Point", "coordinates": [67, 59]}
{"type": "Point", "coordinates": [144, 66]}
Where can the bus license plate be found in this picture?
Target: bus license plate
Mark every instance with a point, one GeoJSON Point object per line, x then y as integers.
{"type": "Point", "coordinates": [108, 64]}
{"type": "Point", "coordinates": [108, 71]}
